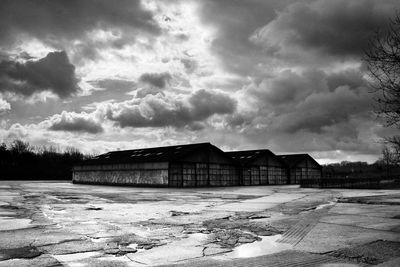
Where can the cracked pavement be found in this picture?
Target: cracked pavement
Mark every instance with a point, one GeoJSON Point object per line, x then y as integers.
{"type": "Point", "coordinates": [64, 224]}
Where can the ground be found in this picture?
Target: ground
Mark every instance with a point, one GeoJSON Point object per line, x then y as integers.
{"type": "Point", "coordinates": [65, 224]}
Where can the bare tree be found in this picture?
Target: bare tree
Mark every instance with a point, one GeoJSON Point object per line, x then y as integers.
{"type": "Point", "coordinates": [394, 143]}
{"type": "Point", "coordinates": [383, 61]}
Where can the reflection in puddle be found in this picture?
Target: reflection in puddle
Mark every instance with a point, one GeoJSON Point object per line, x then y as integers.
{"type": "Point", "coordinates": [76, 256]}
{"type": "Point", "coordinates": [325, 205]}
{"type": "Point", "coordinates": [267, 245]}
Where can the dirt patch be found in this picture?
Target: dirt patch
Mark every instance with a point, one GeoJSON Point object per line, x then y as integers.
{"type": "Point", "coordinates": [233, 237]}
{"type": "Point", "coordinates": [27, 252]}
{"type": "Point", "coordinates": [121, 245]}
{"type": "Point", "coordinates": [93, 208]}
{"type": "Point", "coordinates": [239, 229]}
{"type": "Point", "coordinates": [178, 213]}
{"type": "Point", "coordinates": [241, 223]}
{"type": "Point", "coordinates": [371, 253]}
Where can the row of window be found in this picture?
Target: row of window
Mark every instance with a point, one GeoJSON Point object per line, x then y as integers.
{"type": "Point", "coordinates": [198, 174]}
{"type": "Point", "coordinates": [263, 175]}
{"type": "Point", "coordinates": [299, 173]}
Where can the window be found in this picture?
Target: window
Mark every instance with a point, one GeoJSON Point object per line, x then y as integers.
{"type": "Point", "coordinates": [276, 175]}
{"type": "Point", "coordinates": [202, 174]}
{"type": "Point", "coordinates": [263, 175]}
{"type": "Point", "coordinates": [189, 174]}
{"type": "Point", "coordinates": [175, 175]}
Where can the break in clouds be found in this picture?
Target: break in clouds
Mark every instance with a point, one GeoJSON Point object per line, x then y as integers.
{"type": "Point", "coordinates": [283, 75]}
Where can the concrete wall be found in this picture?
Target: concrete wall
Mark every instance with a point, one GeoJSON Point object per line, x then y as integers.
{"type": "Point", "coordinates": [130, 174]}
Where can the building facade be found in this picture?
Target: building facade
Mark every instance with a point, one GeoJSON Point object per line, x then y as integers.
{"type": "Point", "coordinates": [301, 166]}
{"type": "Point", "coordinates": [260, 167]}
{"type": "Point", "coordinates": [193, 165]}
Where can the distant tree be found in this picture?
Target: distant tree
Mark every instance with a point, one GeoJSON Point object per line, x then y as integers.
{"type": "Point", "coordinates": [20, 160]}
{"type": "Point", "coordinates": [20, 147]}
{"type": "Point", "coordinates": [3, 147]}
{"type": "Point", "coordinates": [394, 149]}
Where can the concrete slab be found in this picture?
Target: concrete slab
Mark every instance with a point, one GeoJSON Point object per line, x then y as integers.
{"type": "Point", "coordinates": [188, 248]}
{"type": "Point", "coordinates": [326, 237]}
{"type": "Point", "coordinates": [10, 223]}
{"type": "Point", "coordinates": [364, 221]}
{"type": "Point", "coordinates": [42, 261]}
{"type": "Point", "coordinates": [387, 211]}
{"type": "Point", "coordinates": [74, 222]}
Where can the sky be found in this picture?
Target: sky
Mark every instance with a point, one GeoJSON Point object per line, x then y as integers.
{"type": "Point", "coordinates": [242, 74]}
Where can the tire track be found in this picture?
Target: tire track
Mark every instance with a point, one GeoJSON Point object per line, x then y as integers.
{"type": "Point", "coordinates": [295, 234]}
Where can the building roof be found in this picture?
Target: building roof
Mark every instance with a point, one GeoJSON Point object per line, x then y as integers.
{"type": "Point", "coordinates": [248, 156]}
{"type": "Point", "coordinates": [154, 154]}
{"type": "Point", "coordinates": [293, 159]}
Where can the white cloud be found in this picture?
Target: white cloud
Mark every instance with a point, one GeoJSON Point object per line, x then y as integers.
{"type": "Point", "coordinates": [4, 106]}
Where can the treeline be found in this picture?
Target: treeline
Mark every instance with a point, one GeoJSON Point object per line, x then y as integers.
{"type": "Point", "coordinates": [21, 161]}
{"type": "Point", "coordinates": [346, 169]}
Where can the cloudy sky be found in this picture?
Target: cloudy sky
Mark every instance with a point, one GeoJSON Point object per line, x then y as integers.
{"type": "Point", "coordinates": [242, 74]}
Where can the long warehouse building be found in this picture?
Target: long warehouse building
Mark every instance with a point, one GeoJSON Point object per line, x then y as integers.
{"type": "Point", "coordinates": [193, 165]}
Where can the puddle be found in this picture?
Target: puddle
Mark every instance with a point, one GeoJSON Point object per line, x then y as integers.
{"type": "Point", "coordinates": [325, 205]}
{"type": "Point", "coordinates": [267, 245]}
{"type": "Point", "coordinates": [89, 222]}
{"type": "Point", "coordinates": [76, 256]}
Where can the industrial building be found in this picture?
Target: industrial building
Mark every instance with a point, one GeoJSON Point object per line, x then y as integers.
{"type": "Point", "coordinates": [260, 167]}
{"type": "Point", "coordinates": [191, 165]}
{"type": "Point", "coordinates": [195, 165]}
{"type": "Point", "coordinates": [301, 166]}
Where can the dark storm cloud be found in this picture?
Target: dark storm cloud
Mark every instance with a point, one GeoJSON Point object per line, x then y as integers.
{"type": "Point", "coordinates": [160, 111]}
{"type": "Point", "coordinates": [159, 80]}
{"type": "Point", "coordinates": [312, 100]}
{"type": "Point", "coordinates": [289, 87]}
{"type": "Point", "coordinates": [239, 120]}
{"type": "Point", "coordinates": [334, 27]}
{"type": "Point", "coordinates": [52, 73]}
{"type": "Point", "coordinates": [59, 21]}
{"type": "Point", "coordinates": [321, 110]}
{"type": "Point", "coordinates": [351, 77]}
{"type": "Point", "coordinates": [206, 103]}
{"type": "Point", "coordinates": [74, 122]}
